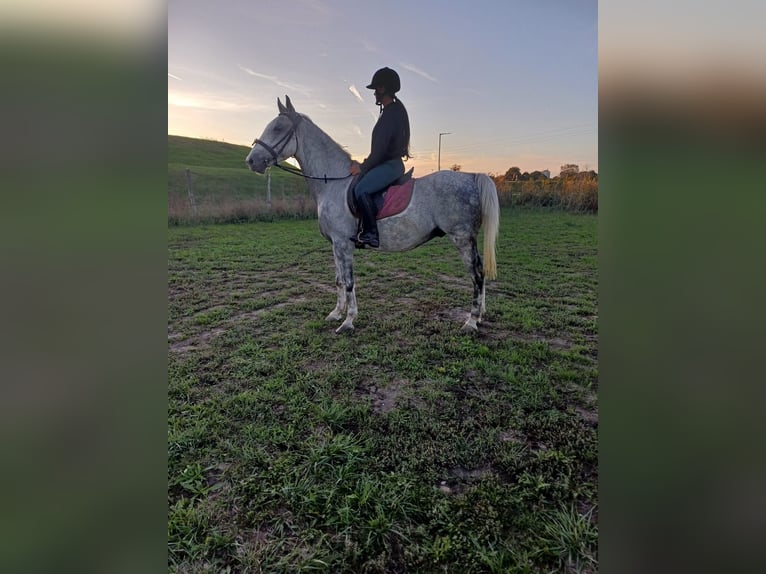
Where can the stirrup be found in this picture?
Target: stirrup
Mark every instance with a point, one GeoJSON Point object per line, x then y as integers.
{"type": "Point", "coordinates": [357, 243]}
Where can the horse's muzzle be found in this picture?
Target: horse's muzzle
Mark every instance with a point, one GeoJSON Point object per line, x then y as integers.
{"type": "Point", "coordinates": [256, 165]}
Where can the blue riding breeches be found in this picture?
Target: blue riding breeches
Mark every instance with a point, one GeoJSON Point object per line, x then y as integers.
{"type": "Point", "coordinates": [380, 177]}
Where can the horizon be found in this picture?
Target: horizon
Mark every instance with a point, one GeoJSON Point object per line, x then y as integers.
{"type": "Point", "coordinates": [408, 163]}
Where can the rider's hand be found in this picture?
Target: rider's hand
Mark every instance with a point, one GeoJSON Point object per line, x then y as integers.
{"type": "Point", "coordinates": [355, 169]}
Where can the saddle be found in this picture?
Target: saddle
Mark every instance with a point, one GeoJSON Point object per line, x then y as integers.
{"type": "Point", "coordinates": [390, 201]}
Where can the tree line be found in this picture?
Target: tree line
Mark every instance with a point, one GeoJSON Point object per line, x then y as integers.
{"type": "Point", "coordinates": [572, 189]}
{"type": "Point", "coordinates": [567, 171]}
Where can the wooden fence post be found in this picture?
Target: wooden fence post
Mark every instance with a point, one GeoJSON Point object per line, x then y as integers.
{"type": "Point", "coordinates": [191, 192]}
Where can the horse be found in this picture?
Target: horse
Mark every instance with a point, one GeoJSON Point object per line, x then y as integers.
{"type": "Point", "coordinates": [449, 203]}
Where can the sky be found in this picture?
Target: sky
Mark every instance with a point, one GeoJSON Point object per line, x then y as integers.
{"type": "Point", "coordinates": [510, 82]}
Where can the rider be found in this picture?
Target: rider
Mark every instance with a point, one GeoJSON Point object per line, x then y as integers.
{"type": "Point", "coordinates": [390, 143]}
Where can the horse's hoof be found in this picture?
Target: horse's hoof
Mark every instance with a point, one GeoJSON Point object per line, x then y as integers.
{"type": "Point", "coordinates": [344, 328]}
{"type": "Point", "coordinates": [469, 327]}
{"type": "Point", "coordinates": [333, 317]}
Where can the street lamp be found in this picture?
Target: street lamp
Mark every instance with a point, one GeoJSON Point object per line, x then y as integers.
{"type": "Point", "coordinates": [439, 164]}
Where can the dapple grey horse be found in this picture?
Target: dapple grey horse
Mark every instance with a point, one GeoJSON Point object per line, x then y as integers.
{"type": "Point", "coordinates": [448, 203]}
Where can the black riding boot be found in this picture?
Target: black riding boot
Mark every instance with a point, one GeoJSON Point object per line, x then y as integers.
{"type": "Point", "coordinates": [369, 235]}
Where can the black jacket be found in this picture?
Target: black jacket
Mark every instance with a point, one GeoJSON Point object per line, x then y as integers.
{"type": "Point", "coordinates": [390, 136]}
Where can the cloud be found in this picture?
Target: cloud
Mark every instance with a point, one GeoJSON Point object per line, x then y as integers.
{"type": "Point", "coordinates": [353, 90]}
{"type": "Point", "coordinates": [295, 87]}
{"type": "Point", "coordinates": [211, 102]}
{"type": "Point", "coordinates": [257, 75]}
{"type": "Point", "coordinates": [174, 77]}
{"type": "Point", "coordinates": [370, 47]}
{"type": "Point", "coordinates": [418, 71]}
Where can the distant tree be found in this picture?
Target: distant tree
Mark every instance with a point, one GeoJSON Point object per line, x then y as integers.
{"type": "Point", "coordinates": [455, 167]}
{"type": "Point", "coordinates": [513, 174]}
{"type": "Point", "coordinates": [537, 175]}
{"type": "Point", "coordinates": [569, 169]}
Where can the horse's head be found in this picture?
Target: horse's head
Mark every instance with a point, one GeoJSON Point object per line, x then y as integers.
{"type": "Point", "coordinates": [278, 141]}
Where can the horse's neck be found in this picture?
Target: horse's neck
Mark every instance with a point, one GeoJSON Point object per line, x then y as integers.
{"type": "Point", "coordinates": [320, 156]}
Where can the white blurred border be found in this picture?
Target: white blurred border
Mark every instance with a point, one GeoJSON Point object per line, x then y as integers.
{"type": "Point", "coordinates": [126, 22]}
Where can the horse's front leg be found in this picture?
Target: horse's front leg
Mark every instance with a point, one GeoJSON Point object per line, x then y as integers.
{"type": "Point", "coordinates": [344, 280]}
{"type": "Point", "coordinates": [337, 313]}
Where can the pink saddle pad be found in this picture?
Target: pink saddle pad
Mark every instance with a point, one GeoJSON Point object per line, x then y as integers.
{"type": "Point", "coordinates": [397, 199]}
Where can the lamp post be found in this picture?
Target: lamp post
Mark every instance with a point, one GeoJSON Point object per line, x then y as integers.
{"type": "Point", "coordinates": [439, 161]}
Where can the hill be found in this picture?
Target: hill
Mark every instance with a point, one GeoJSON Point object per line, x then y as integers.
{"type": "Point", "coordinates": [222, 186]}
{"type": "Point", "coordinates": [205, 153]}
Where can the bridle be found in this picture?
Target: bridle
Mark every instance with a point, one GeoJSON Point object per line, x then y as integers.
{"type": "Point", "coordinates": [295, 119]}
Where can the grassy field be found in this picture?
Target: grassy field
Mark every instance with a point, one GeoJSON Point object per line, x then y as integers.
{"type": "Point", "coordinates": [405, 446]}
{"type": "Point", "coordinates": [224, 189]}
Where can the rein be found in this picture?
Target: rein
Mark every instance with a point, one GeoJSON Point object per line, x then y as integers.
{"type": "Point", "coordinates": [283, 142]}
{"type": "Point", "coordinates": [303, 175]}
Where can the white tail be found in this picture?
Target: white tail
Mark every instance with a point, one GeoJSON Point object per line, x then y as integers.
{"type": "Point", "coordinates": [490, 219]}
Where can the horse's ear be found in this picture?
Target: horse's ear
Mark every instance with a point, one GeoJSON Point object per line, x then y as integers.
{"type": "Point", "coordinates": [290, 107]}
{"type": "Point", "coordinates": [281, 108]}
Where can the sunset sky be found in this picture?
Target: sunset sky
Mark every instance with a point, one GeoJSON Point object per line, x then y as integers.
{"type": "Point", "coordinates": [513, 82]}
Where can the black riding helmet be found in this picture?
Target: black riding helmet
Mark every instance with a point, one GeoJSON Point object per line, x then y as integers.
{"type": "Point", "coordinates": [387, 78]}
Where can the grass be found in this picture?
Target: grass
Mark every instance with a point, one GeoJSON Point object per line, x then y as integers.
{"type": "Point", "coordinates": [577, 194]}
{"type": "Point", "coordinates": [224, 189]}
{"type": "Point", "coordinates": [210, 153]}
{"type": "Point", "coordinates": [405, 446]}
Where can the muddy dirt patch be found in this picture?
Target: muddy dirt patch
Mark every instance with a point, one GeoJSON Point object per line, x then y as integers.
{"type": "Point", "coordinates": [385, 397]}
{"type": "Point", "coordinates": [183, 343]}
{"type": "Point", "coordinates": [457, 480]}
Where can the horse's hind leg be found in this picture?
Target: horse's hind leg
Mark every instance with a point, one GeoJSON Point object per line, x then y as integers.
{"type": "Point", "coordinates": [472, 260]}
